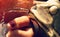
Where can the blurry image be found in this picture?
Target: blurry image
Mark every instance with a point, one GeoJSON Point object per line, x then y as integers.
{"type": "Point", "coordinates": [29, 18]}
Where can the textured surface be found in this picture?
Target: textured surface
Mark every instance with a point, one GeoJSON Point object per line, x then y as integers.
{"type": "Point", "coordinates": [57, 21]}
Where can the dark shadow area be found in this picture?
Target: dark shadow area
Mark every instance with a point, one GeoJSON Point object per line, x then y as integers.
{"type": "Point", "coordinates": [56, 24]}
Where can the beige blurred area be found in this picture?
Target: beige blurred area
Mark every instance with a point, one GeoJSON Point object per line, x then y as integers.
{"type": "Point", "coordinates": [20, 33]}
{"type": "Point", "coordinates": [40, 0]}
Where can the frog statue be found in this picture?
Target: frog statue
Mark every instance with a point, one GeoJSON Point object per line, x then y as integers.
{"type": "Point", "coordinates": [48, 12]}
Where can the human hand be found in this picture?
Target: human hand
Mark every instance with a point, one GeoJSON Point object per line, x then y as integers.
{"type": "Point", "coordinates": [20, 22]}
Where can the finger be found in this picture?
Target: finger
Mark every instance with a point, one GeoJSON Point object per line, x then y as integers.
{"type": "Point", "coordinates": [20, 33]}
{"type": "Point", "coordinates": [28, 32]}
{"type": "Point", "coordinates": [19, 22]}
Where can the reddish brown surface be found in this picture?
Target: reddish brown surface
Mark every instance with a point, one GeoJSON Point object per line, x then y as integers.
{"type": "Point", "coordinates": [25, 3]}
{"type": "Point", "coordinates": [10, 15]}
{"type": "Point", "coordinates": [6, 4]}
{"type": "Point", "coordinates": [0, 17]}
